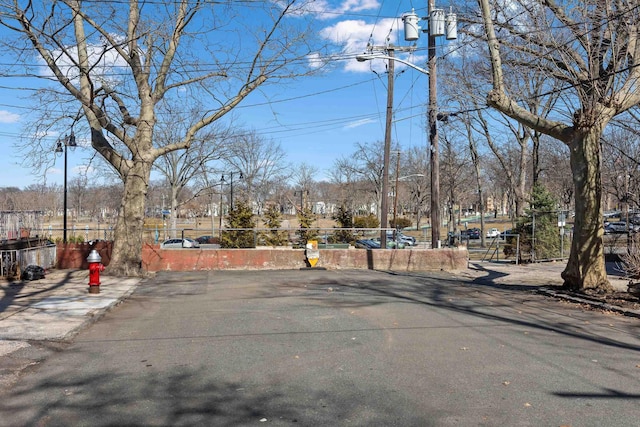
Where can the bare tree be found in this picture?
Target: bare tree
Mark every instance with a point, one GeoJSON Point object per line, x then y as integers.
{"type": "Point", "coordinates": [417, 167]}
{"type": "Point", "coordinates": [621, 167]}
{"type": "Point", "coordinates": [303, 175]}
{"type": "Point", "coordinates": [555, 171]}
{"type": "Point", "coordinates": [261, 161]}
{"type": "Point", "coordinates": [591, 48]}
{"type": "Point", "coordinates": [344, 176]}
{"type": "Point", "coordinates": [185, 167]}
{"type": "Point", "coordinates": [77, 190]}
{"type": "Point", "coordinates": [456, 174]}
{"type": "Point", "coordinates": [118, 61]}
{"type": "Point", "coordinates": [368, 163]}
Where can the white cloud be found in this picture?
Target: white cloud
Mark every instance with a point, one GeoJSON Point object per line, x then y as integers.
{"type": "Point", "coordinates": [323, 9]}
{"type": "Point", "coordinates": [316, 61]}
{"type": "Point", "coordinates": [359, 123]}
{"type": "Point", "coordinates": [103, 61]}
{"type": "Point", "coordinates": [355, 35]}
{"type": "Point", "coordinates": [84, 170]}
{"type": "Point", "coordinates": [54, 171]}
{"type": "Point", "coordinates": [8, 117]}
{"type": "Point", "coordinates": [358, 5]}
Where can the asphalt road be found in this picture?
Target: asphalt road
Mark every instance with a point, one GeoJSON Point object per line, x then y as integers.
{"type": "Point", "coordinates": [336, 348]}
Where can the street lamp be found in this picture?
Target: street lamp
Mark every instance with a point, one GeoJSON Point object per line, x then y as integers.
{"type": "Point", "coordinates": [68, 141]}
{"type": "Point", "coordinates": [231, 185]}
{"type": "Point", "coordinates": [220, 212]}
{"type": "Point", "coordinates": [384, 214]}
{"type": "Point", "coordinates": [369, 56]}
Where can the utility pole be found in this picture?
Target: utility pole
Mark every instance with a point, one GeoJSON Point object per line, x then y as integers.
{"type": "Point", "coordinates": [384, 203]}
{"type": "Point", "coordinates": [395, 192]}
{"type": "Point", "coordinates": [438, 26]}
{"type": "Point", "coordinates": [390, 49]}
{"type": "Point", "coordinates": [433, 137]}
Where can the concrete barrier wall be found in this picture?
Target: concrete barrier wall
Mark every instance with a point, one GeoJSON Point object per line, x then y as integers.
{"type": "Point", "coordinates": [74, 256]}
{"type": "Point", "coordinates": [156, 259]}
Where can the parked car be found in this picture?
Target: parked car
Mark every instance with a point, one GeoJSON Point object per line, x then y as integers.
{"type": "Point", "coordinates": [390, 243]}
{"type": "Point", "coordinates": [505, 234]}
{"type": "Point", "coordinates": [472, 233]}
{"type": "Point", "coordinates": [493, 232]}
{"type": "Point", "coordinates": [367, 244]}
{"type": "Point", "coordinates": [404, 239]}
{"type": "Point", "coordinates": [619, 227]}
{"type": "Point", "coordinates": [179, 243]}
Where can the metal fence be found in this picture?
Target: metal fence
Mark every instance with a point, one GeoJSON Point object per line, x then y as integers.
{"type": "Point", "coordinates": [74, 234]}
{"type": "Point", "coordinates": [288, 236]}
{"type": "Point", "coordinates": [158, 235]}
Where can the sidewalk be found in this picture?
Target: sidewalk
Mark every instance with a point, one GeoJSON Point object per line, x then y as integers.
{"type": "Point", "coordinates": [52, 309]}
{"type": "Point", "coordinates": [546, 279]}
{"type": "Point", "coordinates": [539, 274]}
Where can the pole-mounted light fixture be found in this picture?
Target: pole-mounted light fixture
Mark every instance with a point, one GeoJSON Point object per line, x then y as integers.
{"type": "Point", "coordinates": [369, 56]}
{"type": "Point", "coordinates": [222, 179]}
{"type": "Point", "coordinates": [61, 147]}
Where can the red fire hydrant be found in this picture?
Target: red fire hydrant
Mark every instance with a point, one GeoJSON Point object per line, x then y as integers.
{"type": "Point", "coordinates": [95, 267]}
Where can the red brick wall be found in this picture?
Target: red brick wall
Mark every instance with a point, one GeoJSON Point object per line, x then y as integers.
{"type": "Point", "coordinates": [74, 255]}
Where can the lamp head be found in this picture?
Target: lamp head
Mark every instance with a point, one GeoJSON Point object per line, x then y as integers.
{"type": "Point", "coordinates": [71, 141]}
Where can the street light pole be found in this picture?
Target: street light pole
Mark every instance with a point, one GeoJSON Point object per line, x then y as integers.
{"type": "Point", "coordinates": [384, 199]}
{"type": "Point", "coordinates": [68, 141]}
{"type": "Point", "coordinates": [220, 212]}
{"type": "Point", "coordinates": [231, 186]}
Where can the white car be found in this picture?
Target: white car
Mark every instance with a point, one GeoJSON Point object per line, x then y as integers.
{"type": "Point", "coordinates": [179, 243]}
{"type": "Point", "coordinates": [493, 232]}
{"type": "Point", "coordinates": [402, 238]}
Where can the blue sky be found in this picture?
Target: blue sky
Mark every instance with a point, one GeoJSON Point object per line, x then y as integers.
{"type": "Point", "coordinates": [316, 119]}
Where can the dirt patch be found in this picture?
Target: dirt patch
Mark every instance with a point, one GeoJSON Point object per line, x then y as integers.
{"type": "Point", "coordinates": [620, 299]}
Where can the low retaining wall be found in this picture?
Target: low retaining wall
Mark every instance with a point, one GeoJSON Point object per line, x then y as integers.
{"type": "Point", "coordinates": [156, 259]}
{"type": "Point", "coordinates": [74, 256]}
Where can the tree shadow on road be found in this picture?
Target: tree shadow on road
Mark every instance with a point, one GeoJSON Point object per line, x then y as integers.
{"type": "Point", "coordinates": [484, 299]}
{"type": "Point", "coordinates": [184, 396]}
{"type": "Point", "coordinates": [23, 293]}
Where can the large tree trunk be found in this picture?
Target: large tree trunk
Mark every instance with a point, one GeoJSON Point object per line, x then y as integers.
{"type": "Point", "coordinates": [126, 258]}
{"type": "Point", "coordinates": [585, 268]}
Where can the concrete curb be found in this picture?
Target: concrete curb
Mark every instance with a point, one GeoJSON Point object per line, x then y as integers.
{"type": "Point", "coordinates": [582, 299]}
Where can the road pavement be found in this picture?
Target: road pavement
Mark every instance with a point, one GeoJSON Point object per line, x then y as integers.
{"type": "Point", "coordinates": [331, 348]}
